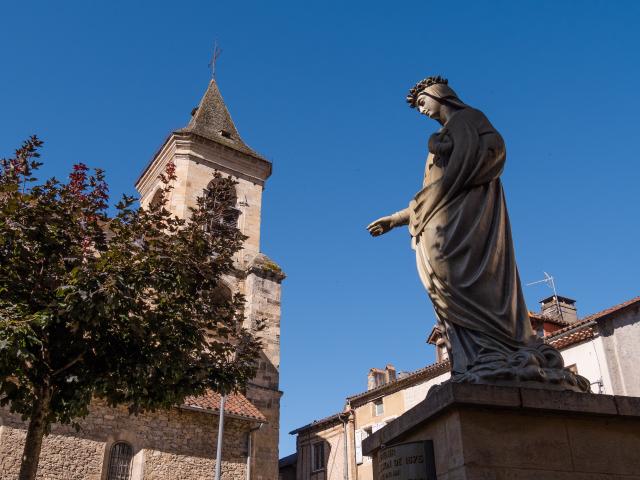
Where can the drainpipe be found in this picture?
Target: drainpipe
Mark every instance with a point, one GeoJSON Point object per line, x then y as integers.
{"type": "Point", "coordinates": [249, 447]}
{"type": "Point", "coordinates": [220, 436]}
{"type": "Point", "coordinates": [355, 465]}
{"type": "Point", "coordinates": [345, 422]}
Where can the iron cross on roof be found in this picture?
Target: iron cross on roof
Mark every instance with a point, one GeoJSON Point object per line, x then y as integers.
{"type": "Point", "coordinates": [214, 58]}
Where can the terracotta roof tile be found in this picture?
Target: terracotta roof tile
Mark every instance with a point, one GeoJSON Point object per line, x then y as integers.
{"type": "Point", "coordinates": [570, 338]}
{"type": "Point", "coordinates": [235, 404]}
{"type": "Point", "coordinates": [589, 320]}
{"type": "Point", "coordinates": [615, 308]}
{"type": "Point", "coordinates": [582, 329]}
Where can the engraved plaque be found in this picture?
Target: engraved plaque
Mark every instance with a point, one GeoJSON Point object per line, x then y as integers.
{"type": "Point", "coordinates": [407, 461]}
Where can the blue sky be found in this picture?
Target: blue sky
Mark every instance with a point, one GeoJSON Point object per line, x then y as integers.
{"type": "Point", "coordinates": [318, 88]}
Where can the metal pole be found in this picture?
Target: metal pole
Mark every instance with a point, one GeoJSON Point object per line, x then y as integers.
{"type": "Point", "coordinates": [249, 446]}
{"type": "Point", "coordinates": [345, 421]}
{"type": "Point", "coordinates": [346, 454]}
{"type": "Point", "coordinates": [220, 436]}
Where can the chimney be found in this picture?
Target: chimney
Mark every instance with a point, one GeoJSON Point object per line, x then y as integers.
{"type": "Point", "coordinates": [561, 308]}
{"type": "Point", "coordinates": [375, 378]}
{"type": "Point", "coordinates": [390, 373]}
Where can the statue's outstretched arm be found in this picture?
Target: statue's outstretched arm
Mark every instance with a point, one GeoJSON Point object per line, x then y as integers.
{"type": "Point", "coordinates": [400, 218]}
{"type": "Point", "coordinates": [384, 224]}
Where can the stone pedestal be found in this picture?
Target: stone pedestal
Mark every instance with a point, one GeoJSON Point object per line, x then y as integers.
{"type": "Point", "coordinates": [484, 432]}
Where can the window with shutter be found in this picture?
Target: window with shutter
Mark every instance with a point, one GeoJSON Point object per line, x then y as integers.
{"type": "Point", "coordinates": [317, 456]}
{"type": "Point", "coordinates": [120, 459]}
{"type": "Point", "coordinates": [365, 433]}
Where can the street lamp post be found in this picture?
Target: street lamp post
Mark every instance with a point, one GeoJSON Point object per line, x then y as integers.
{"type": "Point", "coordinates": [220, 436]}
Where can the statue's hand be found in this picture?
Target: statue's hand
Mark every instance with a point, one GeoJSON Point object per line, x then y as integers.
{"type": "Point", "coordinates": [380, 226]}
{"type": "Point", "coordinates": [440, 143]}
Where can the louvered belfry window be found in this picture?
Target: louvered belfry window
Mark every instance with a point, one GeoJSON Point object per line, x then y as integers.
{"type": "Point", "coordinates": [120, 462]}
{"type": "Point", "coordinates": [222, 198]}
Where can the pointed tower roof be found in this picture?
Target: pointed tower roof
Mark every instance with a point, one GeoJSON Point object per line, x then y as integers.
{"type": "Point", "coordinates": [211, 120]}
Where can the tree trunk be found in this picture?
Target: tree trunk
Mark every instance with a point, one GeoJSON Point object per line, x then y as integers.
{"type": "Point", "coordinates": [35, 434]}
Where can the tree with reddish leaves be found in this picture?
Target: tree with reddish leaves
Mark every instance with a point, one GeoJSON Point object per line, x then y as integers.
{"type": "Point", "coordinates": [126, 309]}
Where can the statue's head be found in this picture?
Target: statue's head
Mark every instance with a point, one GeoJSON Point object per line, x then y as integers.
{"type": "Point", "coordinates": [430, 94]}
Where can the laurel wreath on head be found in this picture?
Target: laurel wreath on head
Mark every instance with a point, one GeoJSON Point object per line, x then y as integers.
{"type": "Point", "coordinates": [412, 97]}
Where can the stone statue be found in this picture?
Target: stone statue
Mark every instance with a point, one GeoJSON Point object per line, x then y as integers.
{"type": "Point", "coordinates": [462, 238]}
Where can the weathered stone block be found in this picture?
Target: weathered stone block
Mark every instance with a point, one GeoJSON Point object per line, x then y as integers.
{"type": "Point", "coordinates": [521, 434]}
{"type": "Point", "coordinates": [568, 401]}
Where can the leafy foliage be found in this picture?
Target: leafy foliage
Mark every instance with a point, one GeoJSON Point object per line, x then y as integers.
{"type": "Point", "coordinates": [128, 309]}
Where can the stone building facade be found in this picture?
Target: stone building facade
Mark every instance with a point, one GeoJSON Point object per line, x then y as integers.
{"type": "Point", "coordinates": [181, 443]}
{"type": "Point", "coordinates": [176, 444]}
{"type": "Point", "coordinates": [602, 347]}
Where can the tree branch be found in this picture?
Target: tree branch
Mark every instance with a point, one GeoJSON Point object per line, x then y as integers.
{"type": "Point", "coordinates": [68, 365]}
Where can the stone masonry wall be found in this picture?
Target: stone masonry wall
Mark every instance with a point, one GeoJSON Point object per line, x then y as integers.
{"type": "Point", "coordinates": [175, 444]}
{"type": "Point", "coordinates": [262, 290]}
{"type": "Point", "coordinates": [55, 461]}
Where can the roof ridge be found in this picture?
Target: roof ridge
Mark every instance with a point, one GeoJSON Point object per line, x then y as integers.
{"type": "Point", "coordinates": [614, 308]}
{"type": "Point", "coordinates": [593, 317]}
{"type": "Point", "coordinates": [569, 328]}
{"type": "Point", "coordinates": [315, 423]}
{"type": "Point", "coordinates": [404, 379]}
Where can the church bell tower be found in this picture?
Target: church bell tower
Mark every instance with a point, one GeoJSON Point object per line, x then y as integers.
{"type": "Point", "coordinates": [210, 142]}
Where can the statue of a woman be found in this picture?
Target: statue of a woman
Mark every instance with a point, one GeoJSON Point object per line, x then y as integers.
{"type": "Point", "coordinates": [464, 251]}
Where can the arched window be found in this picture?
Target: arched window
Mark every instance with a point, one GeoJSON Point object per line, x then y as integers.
{"type": "Point", "coordinates": [120, 459]}
{"type": "Point", "coordinates": [156, 199]}
{"type": "Point", "coordinates": [222, 198]}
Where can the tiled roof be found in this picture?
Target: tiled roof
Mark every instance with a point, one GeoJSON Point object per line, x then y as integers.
{"type": "Point", "coordinates": [536, 316]}
{"type": "Point", "coordinates": [533, 316]}
{"type": "Point", "coordinates": [585, 322]}
{"type": "Point", "coordinates": [426, 373]}
{"type": "Point", "coordinates": [430, 371]}
{"type": "Point", "coordinates": [615, 308]}
{"type": "Point", "coordinates": [335, 418]}
{"type": "Point", "coordinates": [572, 337]}
{"type": "Point", "coordinates": [212, 121]}
{"type": "Point", "coordinates": [235, 404]}
{"type": "Point", "coordinates": [590, 320]}
{"type": "Point", "coordinates": [546, 318]}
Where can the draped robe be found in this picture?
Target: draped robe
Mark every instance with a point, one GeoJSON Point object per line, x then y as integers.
{"type": "Point", "coordinates": [464, 249]}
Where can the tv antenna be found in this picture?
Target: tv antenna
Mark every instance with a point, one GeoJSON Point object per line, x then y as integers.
{"type": "Point", "coordinates": [214, 58]}
{"type": "Point", "coordinates": [549, 282]}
